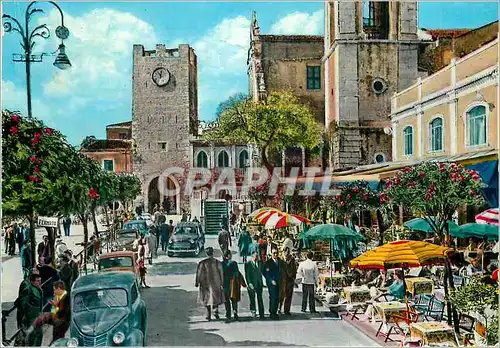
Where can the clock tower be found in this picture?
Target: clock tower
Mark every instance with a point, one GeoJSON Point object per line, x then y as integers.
{"type": "Point", "coordinates": [164, 118]}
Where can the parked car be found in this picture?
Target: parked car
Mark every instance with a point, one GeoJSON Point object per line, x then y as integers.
{"type": "Point", "coordinates": [188, 238]}
{"type": "Point", "coordinates": [121, 261]}
{"type": "Point", "coordinates": [140, 225]}
{"type": "Point", "coordinates": [125, 240]}
{"type": "Point", "coordinates": [148, 218]}
{"type": "Point", "coordinates": [107, 310]}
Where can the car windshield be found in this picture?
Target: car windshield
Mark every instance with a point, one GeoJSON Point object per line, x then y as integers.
{"type": "Point", "coordinates": [132, 235]}
{"type": "Point", "coordinates": [104, 298]}
{"type": "Point", "coordinates": [112, 262]}
{"type": "Point", "coordinates": [186, 230]}
{"type": "Point", "coordinates": [136, 225]}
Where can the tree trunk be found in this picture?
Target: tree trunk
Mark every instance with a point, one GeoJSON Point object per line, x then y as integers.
{"type": "Point", "coordinates": [381, 227]}
{"type": "Point", "coordinates": [84, 219]}
{"type": "Point", "coordinates": [52, 239]}
{"type": "Point", "coordinates": [265, 160]}
{"type": "Point", "coordinates": [34, 256]}
{"type": "Point", "coordinates": [449, 278]}
{"type": "Point", "coordinates": [94, 221]}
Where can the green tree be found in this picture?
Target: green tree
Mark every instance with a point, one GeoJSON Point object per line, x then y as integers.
{"type": "Point", "coordinates": [278, 122]}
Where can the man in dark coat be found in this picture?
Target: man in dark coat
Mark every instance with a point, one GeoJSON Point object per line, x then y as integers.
{"type": "Point", "coordinates": [232, 293]}
{"type": "Point", "coordinates": [273, 272]}
{"type": "Point", "coordinates": [65, 273]}
{"type": "Point", "coordinates": [26, 262]}
{"type": "Point", "coordinates": [290, 275]}
{"type": "Point", "coordinates": [30, 305]}
{"type": "Point", "coordinates": [224, 240]}
{"type": "Point", "coordinates": [18, 232]}
{"type": "Point", "coordinates": [49, 276]}
{"type": "Point", "coordinates": [255, 284]}
{"type": "Point", "coordinates": [210, 282]}
{"type": "Point", "coordinates": [164, 231]}
{"type": "Point", "coordinates": [44, 251]}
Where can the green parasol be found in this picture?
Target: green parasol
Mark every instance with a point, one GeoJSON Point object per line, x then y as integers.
{"type": "Point", "coordinates": [420, 224]}
{"type": "Point", "coordinates": [480, 231]}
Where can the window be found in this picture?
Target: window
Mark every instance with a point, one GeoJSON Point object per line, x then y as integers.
{"type": "Point", "coordinates": [313, 77]}
{"type": "Point", "coordinates": [223, 160]}
{"type": "Point", "coordinates": [135, 293]}
{"type": "Point", "coordinates": [105, 298]}
{"type": "Point", "coordinates": [476, 126]}
{"type": "Point", "coordinates": [408, 140]}
{"type": "Point", "coordinates": [368, 14]}
{"type": "Point", "coordinates": [379, 157]}
{"type": "Point", "coordinates": [243, 159]}
{"type": "Point", "coordinates": [108, 165]}
{"type": "Point", "coordinates": [202, 160]}
{"type": "Point", "coordinates": [162, 145]}
{"type": "Point", "coordinates": [436, 132]}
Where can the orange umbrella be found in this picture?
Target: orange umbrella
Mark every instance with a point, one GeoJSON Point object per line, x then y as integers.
{"type": "Point", "coordinates": [403, 253]}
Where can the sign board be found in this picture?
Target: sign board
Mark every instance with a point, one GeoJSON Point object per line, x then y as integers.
{"type": "Point", "coordinates": [45, 221]}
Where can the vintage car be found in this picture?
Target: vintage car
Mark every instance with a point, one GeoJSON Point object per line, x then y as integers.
{"type": "Point", "coordinates": [140, 225]}
{"type": "Point", "coordinates": [188, 238]}
{"type": "Point", "coordinates": [106, 310]}
{"type": "Point", "coordinates": [122, 261]}
{"type": "Point", "coordinates": [125, 240]}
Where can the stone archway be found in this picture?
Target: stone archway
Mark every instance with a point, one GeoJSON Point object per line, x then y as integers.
{"type": "Point", "coordinates": [153, 195]}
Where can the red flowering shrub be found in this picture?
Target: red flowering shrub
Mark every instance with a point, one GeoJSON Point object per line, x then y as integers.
{"type": "Point", "coordinates": [433, 190]}
{"type": "Point", "coordinates": [353, 197]}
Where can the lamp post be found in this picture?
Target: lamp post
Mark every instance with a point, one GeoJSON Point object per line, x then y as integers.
{"type": "Point", "coordinates": [28, 42]}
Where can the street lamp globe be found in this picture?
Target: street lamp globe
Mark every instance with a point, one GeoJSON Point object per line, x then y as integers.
{"type": "Point", "coordinates": [62, 61]}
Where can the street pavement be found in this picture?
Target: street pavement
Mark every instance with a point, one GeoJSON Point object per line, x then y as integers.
{"type": "Point", "coordinates": [176, 319]}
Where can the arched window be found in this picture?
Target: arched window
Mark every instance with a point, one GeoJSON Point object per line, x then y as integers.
{"type": "Point", "coordinates": [243, 159]}
{"type": "Point", "coordinates": [436, 133]}
{"type": "Point", "coordinates": [202, 160]}
{"type": "Point", "coordinates": [223, 160]}
{"type": "Point", "coordinates": [476, 126]}
{"type": "Point", "coordinates": [408, 140]}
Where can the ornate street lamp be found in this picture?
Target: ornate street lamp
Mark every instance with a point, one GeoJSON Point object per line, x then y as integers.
{"type": "Point", "coordinates": [28, 42]}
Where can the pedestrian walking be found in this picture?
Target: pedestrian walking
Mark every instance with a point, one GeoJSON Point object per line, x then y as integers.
{"type": "Point", "coordinates": [255, 283]}
{"type": "Point", "coordinates": [244, 244]}
{"type": "Point", "coordinates": [164, 230]}
{"type": "Point", "coordinates": [60, 315]}
{"type": "Point", "coordinates": [263, 248]}
{"type": "Point", "coordinates": [210, 283]}
{"type": "Point", "coordinates": [273, 272]}
{"type": "Point", "coordinates": [26, 262]}
{"type": "Point", "coordinates": [290, 274]}
{"type": "Point", "coordinates": [44, 251]}
{"type": "Point", "coordinates": [232, 285]}
{"type": "Point", "coordinates": [75, 268]}
{"type": "Point", "coordinates": [171, 228]}
{"type": "Point", "coordinates": [9, 238]}
{"type": "Point", "coordinates": [19, 236]}
{"type": "Point", "coordinates": [26, 232]}
{"type": "Point", "coordinates": [224, 240]}
{"type": "Point", "coordinates": [308, 272]}
{"type": "Point", "coordinates": [67, 226]}
{"type": "Point", "coordinates": [30, 305]}
{"type": "Point", "coordinates": [142, 272]}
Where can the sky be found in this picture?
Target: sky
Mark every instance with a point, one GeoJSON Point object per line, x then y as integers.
{"type": "Point", "coordinates": [97, 89]}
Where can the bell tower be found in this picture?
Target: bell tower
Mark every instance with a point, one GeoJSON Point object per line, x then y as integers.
{"type": "Point", "coordinates": [371, 52]}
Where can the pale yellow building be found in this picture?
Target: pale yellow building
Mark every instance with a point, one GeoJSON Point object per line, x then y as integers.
{"type": "Point", "coordinates": [450, 113]}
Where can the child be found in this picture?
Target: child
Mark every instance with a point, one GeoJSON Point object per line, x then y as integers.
{"type": "Point", "coordinates": [142, 271]}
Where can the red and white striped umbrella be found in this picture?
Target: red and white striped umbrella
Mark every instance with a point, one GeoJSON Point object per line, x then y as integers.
{"type": "Point", "coordinates": [489, 216]}
{"type": "Point", "coordinates": [263, 216]}
{"type": "Point", "coordinates": [284, 220]}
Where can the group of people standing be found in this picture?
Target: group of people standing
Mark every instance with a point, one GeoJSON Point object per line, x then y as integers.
{"type": "Point", "coordinates": [221, 281]}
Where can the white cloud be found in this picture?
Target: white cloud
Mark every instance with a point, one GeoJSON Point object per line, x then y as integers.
{"type": "Point", "coordinates": [100, 51]}
{"type": "Point", "coordinates": [223, 50]}
{"type": "Point", "coordinates": [14, 99]}
{"type": "Point", "coordinates": [300, 23]}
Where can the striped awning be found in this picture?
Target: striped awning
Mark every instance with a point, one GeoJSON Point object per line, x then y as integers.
{"type": "Point", "coordinates": [489, 216]}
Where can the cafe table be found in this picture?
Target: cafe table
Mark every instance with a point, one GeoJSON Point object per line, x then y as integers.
{"type": "Point", "coordinates": [337, 281]}
{"type": "Point", "coordinates": [419, 286]}
{"type": "Point", "coordinates": [356, 297]}
{"type": "Point", "coordinates": [385, 310]}
{"type": "Point", "coordinates": [433, 333]}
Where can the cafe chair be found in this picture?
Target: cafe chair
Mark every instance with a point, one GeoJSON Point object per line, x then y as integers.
{"type": "Point", "coordinates": [402, 323]}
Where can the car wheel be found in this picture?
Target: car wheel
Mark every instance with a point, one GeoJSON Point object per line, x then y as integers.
{"type": "Point", "coordinates": [197, 251]}
{"type": "Point", "coordinates": [170, 254]}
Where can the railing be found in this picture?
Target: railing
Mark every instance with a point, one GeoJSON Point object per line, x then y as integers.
{"type": "Point", "coordinates": [5, 316]}
{"type": "Point", "coordinates": [110, 236]}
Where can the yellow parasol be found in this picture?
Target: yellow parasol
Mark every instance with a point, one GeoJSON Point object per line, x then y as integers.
{"type": "Point", "coordinates": [400, 254]}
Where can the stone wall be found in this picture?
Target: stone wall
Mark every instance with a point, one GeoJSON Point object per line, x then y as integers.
{"type": "Point", "coordinates": [162, 117]}
{"type": "Point", "coordinates": [284, 62]}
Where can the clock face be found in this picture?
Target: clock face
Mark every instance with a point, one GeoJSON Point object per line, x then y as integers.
{"type": "Point", "coordinates": [161, 76]}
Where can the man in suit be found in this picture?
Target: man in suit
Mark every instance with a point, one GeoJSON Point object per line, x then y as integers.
{"type": "Point", "coordinates": [255, 284]}
{"type": "Point", "coordinates": [273, 271]}
{"type": "Point", "coordinates": [290, 271]}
